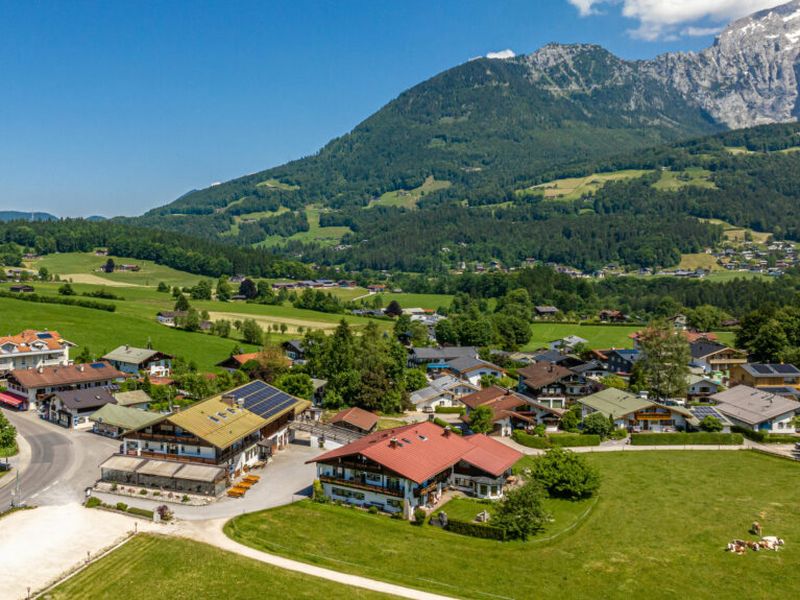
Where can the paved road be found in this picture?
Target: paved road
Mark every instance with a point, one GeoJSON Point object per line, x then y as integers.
{"type": "Point", "coordinates": [62, 462]}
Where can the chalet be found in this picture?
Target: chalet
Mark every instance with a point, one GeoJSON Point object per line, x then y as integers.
{"type": "Point", "coordinates": [568, 343]}
{"type": "Point", "coordinates": [376, 288]}
{"type": "Point", "coordinates": [133, 360]}
{"type": "Point", "coordinates": [471, 369]}
{"type": "Point", "coordinates": [294, 349]}
{"type": "Point", "coordinates": [170, 317]}
{"type": "Point", "coordinates": [511, 410]}
{"type": "Point", "coordinates": [701, 412]}
{"type": "Point", "coordinates": [558, 358]}
{"type": "Point", "coordinates": [713, 356]}
{"type": "Point", "coordinates": [553, 382]}
{"type": "Point", "coordinates": [622, 361]}
{"type": "Point", "coordinates": [612, 316]}
{"type": "Point", "coordinates": [438, 358]}
{"type": "Point", "coordinates": [26, 387]}
{"type": "Point", "coordinates": [756, 409]}
{"type": "Point", "coordinates": [592, 368]}
{"type": "Point", "coordinates": [237, 361]}
{"type": "Point", "coordinates": [356, 419]}
{"type": "Point", "coordinates": [691, 336]}
{"type": "Point", "coordinates": [127, 267]}
{"type": "Point", "coordinates": [635, 413]}
{"type": "Point", "coordinates": [113, 420]}
{"type": "Point", "coordinates": [545, 311]}
{"type": "Point", "coordinates": [347, 283]}
{"type": "Point", "coordinates": [397, 470]}
{"type": "Point", "coordinates": [22, 288]}
{"type": "Point", "coordinates": [70, 408]}
{"type": "Point", "coordinates": [442, 391]}
{"type": "Point", "coordinates": [33, 349]}
{"type": "Point", "coordinates": [700, 387]}
{"type": "Point", "coordinates": [759, 374]}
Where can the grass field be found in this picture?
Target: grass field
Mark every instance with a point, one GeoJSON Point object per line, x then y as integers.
{"type": "Point", "coordinates": [700, 260]}
{"type": "Point", "coordinates": [573, 188]}
{"type": "Point", "coordinates": [327, 236]}
{"type": "Point", "coordinates": [732, 233]}
{"type": "Point", "coordinates": [598, 336]}
{"type": "Point", "coordinates": [675, 180]}
{"type": "Point", "coordinates": [86, 263]}
{"type": "Point", "coordinates": [151, 566]}
{"type": "Point", "coordinates": [431, 301]}
{"type": "Point", "coordinates": [409, 198]}
{"type": "Point", "coordinates": [658, 530]}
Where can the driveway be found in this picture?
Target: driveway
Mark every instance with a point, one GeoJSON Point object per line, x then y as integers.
{"type": "Point", "coordinates": [283, 480]}
{"type": "Point", "coordinates": [62, 462]}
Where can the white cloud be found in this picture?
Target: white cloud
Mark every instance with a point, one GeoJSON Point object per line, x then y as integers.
{"type": "Point", "coordinates": [507, 53]}
{"type": "Point", "coordinates": [662, 19]}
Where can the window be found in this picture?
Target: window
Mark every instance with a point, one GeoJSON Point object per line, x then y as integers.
{"type": "Point", "coordinates": [394, 503]}
{"type": "Point", "coordinates": [482, 489]}
{"type": "Point", "coordinates": [342, 493]}
{"type": "Point", "coordinates": [373, 478]}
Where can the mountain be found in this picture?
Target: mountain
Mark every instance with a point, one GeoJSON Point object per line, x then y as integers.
{"type": "Point", "coordinates": [480, 133]}
{"type": "Point", "coordinates": [14, 215]}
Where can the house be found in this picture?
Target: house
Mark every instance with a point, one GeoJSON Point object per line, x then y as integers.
{"type": "Point", "coordinates": [545, 311]}
{"type": "Point", "coordinates": [170, 317]}
{"type": "Point", "coordinates": [21, 288]}
{"type": "Point", "coordinates": [33, 349]}
{"type": "Point", "coordinates": [29, 385]}
{"type": "Point", "coordinates": [471, 369]}
{"type": "Point", "coordinates": [236, 361]}
{"type": "Point", "coordinates": [558, 358]}
{"type": "Point", "coordinates": [612, 316]}
{"type": "Point", "coordinates": [760, 374]}
{"type": "Point", "coordinates": [133, 360]}
{"type": "Point", "coordinates": [700, 387]}
{"type": "Point", "coordinates": [756, 409]}
{"type": "Point", "coordinates": [376, 288]}
{"type": "Point", "coordinates": [713, 356]}
{"type": "Point", "coordinates": [568, 343]}
{"type": "Point", "coordinates": [442, 391]}
{"type": "Point", "coordinates": [164, 475]}
{"type": "Point", "coordinates": [634, 413]}
{"type": "Point", "coordinates": [113, 420]}
{"type": "Point", "coordinates": [438, 358]}
{"type": "Point", "coordinates": [622, 361]}
{"type": "Point", "coordinates": [356, 419]}
{"type": "Point", "coordinates": [553, 385]}
{"type": "Point", "coordinates": [294, 350]}
{"type": "Point", "coordinates": [512, 411]}
{"type": "Point", "coordinates": [593, 369]}
{"type": "Point", "coordinates": [70, 408]}
{"type": "Point", "coordinates": [133, 399]}
{"type": "Point", "coordinates": [400, 469]}
{"type": "Point", "coordinates": [701, 412]}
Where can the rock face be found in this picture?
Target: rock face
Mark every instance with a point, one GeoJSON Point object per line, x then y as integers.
{"type": "Point", "coordinates": [748, 77]}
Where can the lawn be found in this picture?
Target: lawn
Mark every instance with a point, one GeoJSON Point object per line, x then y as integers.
{"type": "Point", "coordinates": [572, 188]}
{"type": "Point", "coordinates": [658, 530]}
{"type": "Point", "coordinates": [81, 266]}
{"type": "Point", "coordinates": [151, 566]}
{"type": "Point", "coordinates": [409, 198]}
{"type": "Point", "coordinates": [431, 301]}
{"type": "Point", "coordinates": [674, 180]}
{"type": "Point", "coordinates": [599, 336]}
{"type": "Point", "coordinates": [700, 260]}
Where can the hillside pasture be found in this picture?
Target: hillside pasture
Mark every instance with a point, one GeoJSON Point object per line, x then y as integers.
{"type": "Point", "coordinates": [573, 188]}
{"type": "Point", "coordinates": [327, 236]}
{"type": "Point", "coordinates": [692, 176]}
{"type": "Point", "coordinates": [409, 198]}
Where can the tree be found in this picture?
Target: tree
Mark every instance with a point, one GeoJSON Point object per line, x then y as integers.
{"type": "Point", "coordinates": [44, 274]}
{"type": "Point", "coordinates": [248, 289]}
{"type": "Point", "coordinates": [223, 289]}
{"type": "Point", "coordinates": [706, 317]}
{"type": "Point", "coordinates": [665, 360]}
{"type": "Point", "coordinates": [8, 433]}
{"type": "Point", "coordinates": [710, 423]}
{"type": "Point", "coordinates": [296, 384]}
{"type": "Point", "coordinates": [521, 512]}
{"type": "Point", "coordinates": [770, 342]}
{"type": "Point", "coordinates": [181, 303]}
{"type": "Point", "coordinates": [66, 290]}
{"type": "Point", "coordinates": [192, 320]}
{"type": "Point", "coordinates": [222, 328]}
{"type": "Point", "coordinates": [571, 419]}
{"type": "Point", "coordinates": [202, 290]}
{"type": "Point", "coordinates": [614, 381]}
{"type": "Point", "coordinates": [565, 474]}
{"type": "Point", "coordinates": [268, 365]}
{"type": "Point", "coordinates": [393, 309]}
{"type": "Point", "coordinates": [597, 423]}
{"type": "Point", "coordinates": [252, 332]}
{"type": "Point", "coordinates": [162, 287]}
{"type": "Point", "coordinates": [84, 356]}
{"type": "Point", "coordinates": [446, 333]}
{"type": "Point", "coordinates": [109, 266]}
{"type": "Point", "coordinates": [481, 419]}
{"type": "Point", "coordinates": [415, 379]}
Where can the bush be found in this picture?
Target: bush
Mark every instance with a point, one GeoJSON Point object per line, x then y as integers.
{"type": "Point", "coordinates": [597, 423]}
{"type": "Point", "coordinates": [143, 492]}
{"type": "Point", "coordinates": [450, 410]}
{"type": "Point", "coordinates": [703, 438]}
{"type": "Point", "coordinates": [419, 516]}
{"type": "Point", "coordinates": [711, 423]}
{"type": "Point", "coordinates": [165, 513]}
{"type": "Point", "coordinates": [565, 474]}
{"type": "Point", "coordinates": [318, 493]}
{"type": "Point", "coordinates": [531, 441]}
{"type": "Point", "coordinates": [92, 502]}
{"type": "Point", "coordinates": [539, 430]}
{"type": "Point", "coordinates": [566, 440]}
{"type": "Point", "coordinates": [443, 423]}
{"type": "Point", "coordinates": [122, 506]}
{"type": "Point", "coordinates": [764, 437]}
{"type": "Point", "coordinates": [184, 498]}
{"type": "Point", "coordinates": [619, 434]}
{"type": "Point", "coordinates": [521, 512]}
{"type": "Point", "coordinates": [477, 530]}
{"type": "Point", "coordinates": [141, 512]}
{"type": "Point", "coordinates": [373, 510]}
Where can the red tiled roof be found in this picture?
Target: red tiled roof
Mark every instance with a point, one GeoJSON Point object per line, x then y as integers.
{"type": "Point", "coordinates": [490, 455]}
{"type": "Point", "coordinates": [24, 340]}
{"type": "Point", "coordinates": [422, 451]}
{"type": "Point", "coordinates": [70, 375]}
{"type": "Point", "coordinates": [357, 417]}
{"type": "Point", "coordinates": [483, 396]}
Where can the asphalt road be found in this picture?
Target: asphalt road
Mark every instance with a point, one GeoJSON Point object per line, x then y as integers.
{"type": "Point", "coordinates": [63, 463]}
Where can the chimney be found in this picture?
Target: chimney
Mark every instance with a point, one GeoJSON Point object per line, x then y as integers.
{"type": "Point", "coordinates": [40, 370]}
{"type": "Point", "coordinates": [81, 368]}
{"type": "Point", "coordinates": [393, 443]}
{"type": "Point", "coordinates": [447, 431]}
{"type": "Point", "coordinates": [229, 399]}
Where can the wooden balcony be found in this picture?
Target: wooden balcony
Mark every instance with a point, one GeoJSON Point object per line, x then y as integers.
{"type": "Point", "coordinates": [361, 486]}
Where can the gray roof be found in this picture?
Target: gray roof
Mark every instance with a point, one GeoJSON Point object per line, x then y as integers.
{"type": "Point", "coordinates": [467, 363]}
{"type": "Point", "coordinates": [771, 370]}
{"type": "Point", "coordinates": [448, 353]}
{"type": "Point", "coordinates": [753, 406]}
{"type": "Point", "coordinates": [129, 354]}
{"type": "Point", "coordinates": [438, 386]}
{"type": "Point", "coordinates": [587, 366]}
{"type": "Point", "coordinates": [89, 398]}
{"type": "Point", "coordinates": [132, 398]}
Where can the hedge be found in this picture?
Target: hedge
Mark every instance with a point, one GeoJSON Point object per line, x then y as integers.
{"type": "Point", "coordinates": [764, 437]}
{"type": "Point", "coordinates": [140, 512]}
{"type": "Point", "coordinates": [68, 300]}
{"type": "Point", "coordinates": [450, 410]}
{"type": "Point", "coordinates": [703, 438]}
{"type": "Point", "coordinates": [443, 423]}
{"type": "Point", "coordinates": [477, 530]}
{"type": "Point", "coordinates": [564, 440]}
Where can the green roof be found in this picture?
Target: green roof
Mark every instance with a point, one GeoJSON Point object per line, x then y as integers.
{"type": "Point", "coordinates": [124, 417]}
{"type": "Point", "coordinates": [615, 403]}
{"type": "Point", "coordinates": [131, 398]}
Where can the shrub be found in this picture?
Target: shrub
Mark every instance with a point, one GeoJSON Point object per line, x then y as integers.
{"type": "Point", "coordinates": [521, 513]}
{"type": "Point", "coordinates": [450, 410]}
{"type": "Point", "coordinates": [373, 510]}
{"type": "Point", "coordinates": [443, 423]}
{"type": "Point", "coordinates": [565, 474]}
{"type": "Point", "coordinates": [113, 487]}
{"type": "Point", "coordinates": [478, 530]}
{"type": "Point", "coordinates": [598, 424]}
{"type": "Point", "coordinates": [574, 439]}
{"type": "Point", "coordinates": [93, 502]}
{"type": "Point", "coordinates": [122, 506]}
{"type": "Point", "coordinates": [531, 441]}
{"type": "Point", "coordinates": [318, 493]}
{"type": "Point", "coordinates": [539, 430]}
{"type": "Point", "coordinates": [156, 493]}
{"type": "Point", "coordinates": [165, 513]}
{"type": "Point", "coordinates": [143, 492]}
{"type": "Point", "coordinates": [764, 437]}
{"type": "Point", "coordinates": [704, 438]}
{"type": "Point", "coordinates": [711, 423]}
{"type": "Point", "coordinates": [419, 516]}
{"type": "Point", "coordinates": [141, 512]}
{"type": "Point", "coordinates": [185, 498]}
{"type": "Point", "coordinates": [619, 434]}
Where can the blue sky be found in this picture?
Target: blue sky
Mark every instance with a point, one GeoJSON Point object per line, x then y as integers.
{"type": "Point", "coordinates": [116, 107]}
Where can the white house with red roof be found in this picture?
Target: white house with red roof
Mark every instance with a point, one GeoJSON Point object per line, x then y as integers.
{"type": "Point", "coordinates": [400, 469]}
{"type": "Point", "coordinates": [32, 349]}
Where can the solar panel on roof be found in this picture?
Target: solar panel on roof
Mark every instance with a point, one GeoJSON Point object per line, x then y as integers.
{"type": "Point", "coordinates": [248, 389]}
{"type": "Point", "coordinates": [44, 336]}
{"type": "Point", "coordinates": [762, 369]}
{"type": "Point", "coordinates": [98, 365]}
{"type": "Point", "coordinates": [785, 368]}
